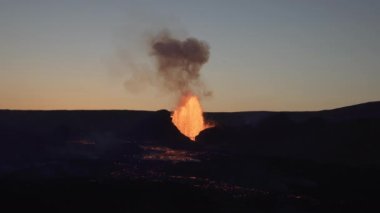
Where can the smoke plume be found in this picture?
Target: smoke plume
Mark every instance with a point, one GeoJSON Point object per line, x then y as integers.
{"type": "Point", "coordinates": [179, 63]}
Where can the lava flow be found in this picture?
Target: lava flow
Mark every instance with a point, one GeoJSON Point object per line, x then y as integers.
{"type": "Point", "coordinates": [188, 116]}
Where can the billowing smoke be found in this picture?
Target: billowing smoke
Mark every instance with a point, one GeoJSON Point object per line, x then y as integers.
{"type": "Point", "coordinates": [176, 68]}
{"type": "Point", "coordinates": [179, 62]}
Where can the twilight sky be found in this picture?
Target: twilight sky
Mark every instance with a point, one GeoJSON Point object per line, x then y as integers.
{"type": "Point", "coordinates": [265, 55]}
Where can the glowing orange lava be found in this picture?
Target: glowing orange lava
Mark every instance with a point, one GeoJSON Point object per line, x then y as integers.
{"type": "Point", "coordinates": [188, 116]}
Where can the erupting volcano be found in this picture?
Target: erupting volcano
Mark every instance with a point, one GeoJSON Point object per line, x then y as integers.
{"type": "Point", "coordinates": [178, 64]}
{"type": "Point", "coordinates": [188, 116]}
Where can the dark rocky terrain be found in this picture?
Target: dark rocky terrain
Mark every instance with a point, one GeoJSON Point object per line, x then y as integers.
{"type": "Point", "coordinates": [133, 161]}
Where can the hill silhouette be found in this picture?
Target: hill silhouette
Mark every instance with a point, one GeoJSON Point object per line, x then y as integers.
{"type": "Point", "coordinates": [137, 160]}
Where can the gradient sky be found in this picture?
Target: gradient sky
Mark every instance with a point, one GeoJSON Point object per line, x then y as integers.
{"type": "Point", "coordinates": [265, 55]}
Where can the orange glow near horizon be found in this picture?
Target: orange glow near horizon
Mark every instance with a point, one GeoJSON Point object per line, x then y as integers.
{"type": "Point", "coordinates": [188, 116]}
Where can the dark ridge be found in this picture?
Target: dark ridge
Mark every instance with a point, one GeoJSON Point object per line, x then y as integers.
{"type": "Point", "coordinates": [132, 161]}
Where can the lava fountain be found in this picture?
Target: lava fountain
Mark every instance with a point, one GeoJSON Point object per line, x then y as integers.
{"type": "Point", "coordinates": [179, 64]}
{"type": "Point", "coordinates": [188, 116]}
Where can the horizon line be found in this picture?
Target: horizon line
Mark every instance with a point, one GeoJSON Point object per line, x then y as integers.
{"type": "Point", "coordinates": [143, 110]}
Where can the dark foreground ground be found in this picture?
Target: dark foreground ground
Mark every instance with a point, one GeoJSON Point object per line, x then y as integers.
{"type": "Point", "coordinates": [131, 161]}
